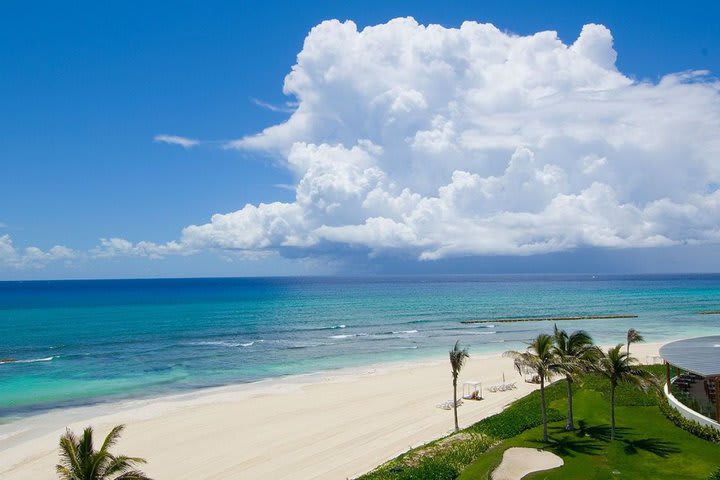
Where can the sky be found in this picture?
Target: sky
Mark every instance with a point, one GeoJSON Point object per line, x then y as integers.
{"type": "Point", "coordinates": [156, 139]}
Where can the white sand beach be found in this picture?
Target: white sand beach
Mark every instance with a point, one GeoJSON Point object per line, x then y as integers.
{"type": "Point", "coordinates": [331, 425]}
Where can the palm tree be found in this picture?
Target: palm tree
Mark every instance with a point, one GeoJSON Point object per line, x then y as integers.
{"type": "Point", "coordinates": [633, 336]}
{"type": "Point", "coordinates": [539, 358]}
{"type": "Point", "coordinates": [457, 360]}
{"type": "Point", "coordinates": [575, 354]}
{"type": "Point", "coordinates": [619, 367]}
{"type": "Point", "coordinates": [80, 461]}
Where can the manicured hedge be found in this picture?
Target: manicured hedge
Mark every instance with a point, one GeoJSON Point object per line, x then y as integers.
{"type": "Point", "coordinates": [522, 414]}
{"type": "Point", "coordinates": [703, 431]}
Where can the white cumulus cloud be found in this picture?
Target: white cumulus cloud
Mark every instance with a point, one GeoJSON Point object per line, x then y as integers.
{"type": "Point", "coordinates": [119, 247]}
{"type": "Point", "coordinates": [11, 256]}
{"type": "Point", "coordinates": [471, 141]}
{"type": "Point", "coordinates": [440, 142]}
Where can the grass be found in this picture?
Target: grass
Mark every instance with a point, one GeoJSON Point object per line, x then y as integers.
{"type": "Point", "coordinates": [647, 446]}
{"type": "Point", "coordinates": [440, 460]}
{"type": "Point", "coordinates": [523, 414]}
{"type": "Point", "coordinates": [446, 458]}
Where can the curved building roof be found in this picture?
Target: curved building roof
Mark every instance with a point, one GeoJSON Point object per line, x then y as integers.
{"type": "Point", "coordinates": [699, 355]}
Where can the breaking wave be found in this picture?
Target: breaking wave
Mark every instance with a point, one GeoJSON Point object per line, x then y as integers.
{"type": "Point", "coordinates": [220, 343]}
{"type": "Point", "coordinates": [31, 360]}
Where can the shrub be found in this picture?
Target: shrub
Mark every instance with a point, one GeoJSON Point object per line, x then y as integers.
{"type": "Point", "coordinates": [426, 469]}
{"type": "Point", "coordinates": [442, 460]}
{"type": "Point", "coordinates": [625, 395]}
{"type": "Point", "coordinates": [522, 414]}
{"type": "Point", "coordinates": [702, 431]}
{"type": "Point", "coordinates": [716, 475]}
{"type": "Point", "coordinates": [514, 420]}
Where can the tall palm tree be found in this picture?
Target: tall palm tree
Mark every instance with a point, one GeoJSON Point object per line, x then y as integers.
{"type": "Point", "coordinates": [539, 358]}
{"type": "Point", "coordinates": [575, 354]}
{"type": "Point", "coordinates": [619, 367]}
{"type": "Point", "coordinates": [80, 461]}
{"type": "Point", "coordinates": [457, 360]}
{"type": "Point", "coordinates": [633, 336]}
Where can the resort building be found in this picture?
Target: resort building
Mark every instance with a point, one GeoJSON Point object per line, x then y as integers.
{"type": "Point", "coordinates": [693, 378]}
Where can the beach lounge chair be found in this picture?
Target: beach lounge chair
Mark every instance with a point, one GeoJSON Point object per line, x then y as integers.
{"type": "Point", "coordinates": [448, 405]}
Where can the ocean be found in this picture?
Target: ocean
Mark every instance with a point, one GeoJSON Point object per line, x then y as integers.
{"type": "Point", "coordinates": [84, 342]}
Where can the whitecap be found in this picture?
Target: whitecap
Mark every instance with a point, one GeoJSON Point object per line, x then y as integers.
{"type": "Point", "coordinates": [308, 345]}
{"type": "Point", "coordinates": [224, 344]}
{"type": "Point", "coordinates": [32, 360]}
{"type": "Point", "coordinates": [349, 335]}
{"type": "Point", "coordinates": [215, 344]}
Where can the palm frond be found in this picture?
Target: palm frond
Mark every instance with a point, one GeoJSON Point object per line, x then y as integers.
{"type": "Point", "coordinates": [458, 356]}
{"type": "Point", "coordinates": [575, 352]}
{"type": "Point", "coordinates": [619, 367]}
{"type": "Point", "coordinates": [112, 438]}
{"type": "Point", "coordinates": [523, 362]}
{"type": "Point", "coordinates": [133, 475]}
{"type": "Point", "coordinates": [70, 459]}
{"type": "Point", "coordinates": [80, 461]}
{"type": "Point", "coordinates": [122, 464]}
{"type": "Point", "coordinates": [64, 473]}
{"type": "Point", "coordinates": [539, 357]}
{"type": "Point", "coordinates": [85, 446]}
{"type": "Point", "coordinates": [633, 336]}
{"type": "Point", "coordinates": [579, 341]}
{"type": "Point", "coordinates": [561, 338]}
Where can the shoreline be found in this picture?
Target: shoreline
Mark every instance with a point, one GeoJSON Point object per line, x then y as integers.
{"type": "Point", "coordinates": [489, 349]}
{"type": "Point", "coordinates": [330, 424]}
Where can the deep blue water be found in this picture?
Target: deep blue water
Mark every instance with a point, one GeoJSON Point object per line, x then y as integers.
{"type": "Point", "coordinates": [79, 342]}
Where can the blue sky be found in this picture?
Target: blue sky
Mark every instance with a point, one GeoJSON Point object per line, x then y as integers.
{"type": "Point", "coordinates": [86, 86]}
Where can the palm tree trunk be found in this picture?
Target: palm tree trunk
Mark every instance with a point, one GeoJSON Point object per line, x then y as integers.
{"type": "Point", "coordinates": [612, 411]}
{"type": "Point", "coordinates": [457, 427]}
{"type": "Point", "coordinates": [544, 413]}
{"type": "Point", "coordinates": [627, 350]}
{"type": "Point", "coordinates": [570, 426]}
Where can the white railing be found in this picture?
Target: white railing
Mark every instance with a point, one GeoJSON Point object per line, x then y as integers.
{"type": "Point", "coordinates": [687, 412]}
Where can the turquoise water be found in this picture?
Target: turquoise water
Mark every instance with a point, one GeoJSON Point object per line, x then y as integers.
{"type": "Point", "coordinates": [79, 342]}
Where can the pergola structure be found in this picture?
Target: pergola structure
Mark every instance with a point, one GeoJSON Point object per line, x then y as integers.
{"type": "Point", "coordinates": [472, 390]}
{"type": "Point", "coordinates": [700, 359]}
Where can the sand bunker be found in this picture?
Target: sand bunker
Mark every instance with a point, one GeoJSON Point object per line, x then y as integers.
{"type": "Point", "coordinates": [518, 462]}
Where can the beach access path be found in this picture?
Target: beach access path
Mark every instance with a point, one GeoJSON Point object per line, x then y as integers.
{"type": "Point", "coordinates": [328, 425]}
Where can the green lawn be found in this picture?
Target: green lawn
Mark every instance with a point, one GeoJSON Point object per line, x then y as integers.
{"type": "Point", "coordinates": [647, 445]}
